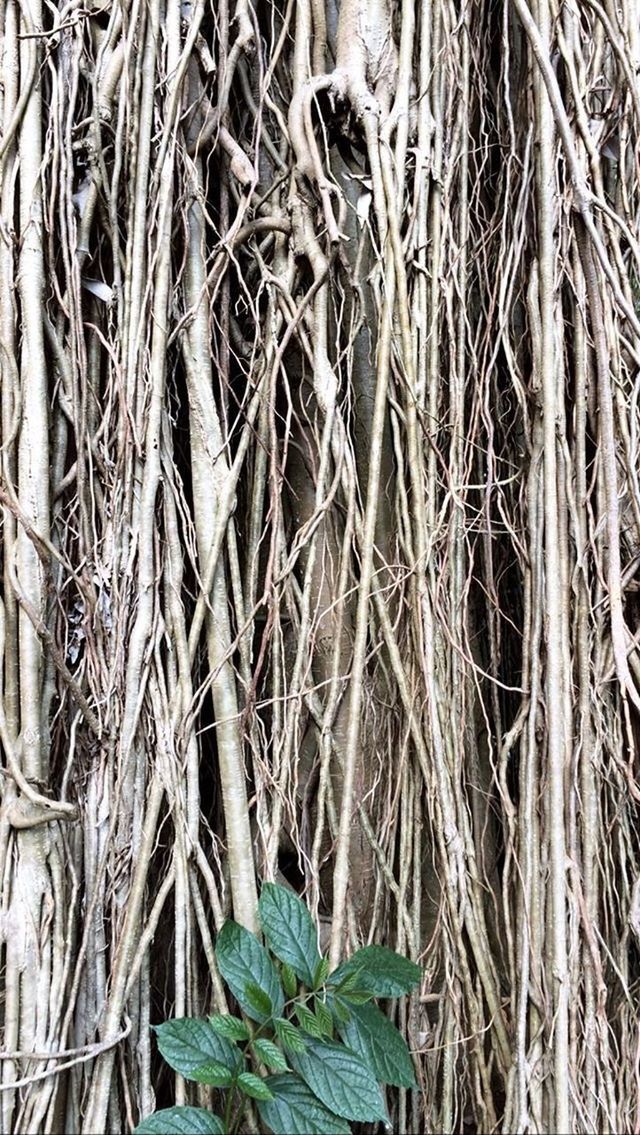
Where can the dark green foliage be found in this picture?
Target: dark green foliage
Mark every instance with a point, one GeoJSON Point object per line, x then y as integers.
{"type": "Point", "coordinates": [321, 1081]}
{"type": "Point", "coordinates": [181, 1121]}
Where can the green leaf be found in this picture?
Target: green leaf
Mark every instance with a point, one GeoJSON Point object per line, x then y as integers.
{"type": "Point", "coordinates": [230, 1027]}
{"type": "Point", "coordinates": [309, 1022]}
{"type": "Point", "coordinates": [341, 1081]}
{"type": "Point", "coordinates": [383, 972]}
{"type": "Point", "coordinates": [242, 961]}
{"type": "Point", "coordinates": [340, 1011]}
{"type": "Point", "coordinates": [258, 999]}
{"type": "Point", "coordinates": [289, 980]}
{"type": "Point", "coordinates": [214, 1074]}
{"type": "Point", "coordinates": [253, 1086]}
{"type": "Point", "coordinates": [289, 1036]}
{"type": "Point", "coordinates": [348, 981]}
{"type": "Point", "coordinates": [270, 1054]}
{"type": "Point", "coordinates": [321, 974]}
{"type": "Point", "coordinates": [357, 997]}
{"type": "Point", "coordinates": [191, 1046]}
{"type": "Point", "coordinates": [377, 1041]}
{"type": "Point", "coordinates": [324, 1017]}
{"type": "Point", "coordinates": [289, 930]}
{"type": "Point", "coordinates": [181, 1121]}
{"type": "Point", "coordinates": [295, 1110]}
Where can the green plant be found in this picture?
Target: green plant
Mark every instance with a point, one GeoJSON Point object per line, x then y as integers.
{"type": "Point", "coordinates": [312, 1048]}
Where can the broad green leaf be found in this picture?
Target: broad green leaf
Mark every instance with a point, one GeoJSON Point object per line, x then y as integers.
{"type": "Point", "coordinates": [242, 961]}
{"type": "Point", "coordinates": [347, 981]}
{"type": "Point", "coordinates": [189, 1045]}
{"type": "Point", "coordinates": [339, 1008]}
{"type": "Point", "coordinates": [382, 972]}
{"type": "Point", "coordinates": [357, 997]}
{"type": "Point", "coordinates": [253, 1086]}
{"type": "Point", "coordinates": [341, 1081]}
{"type": "Point", "coordinates": [289, 1036]}
{"type": "Point", "coordinates": [294, 1110]}
{"type": "Point", "coordinates": [372, 1037]}
{"type": "Point", "coordinates": [321, 974]}
{"type": "Point", "coordinates": [289, 930]}
{"type": "Point", "coordinates": [258, 999]}
{"type": "Point", "coordinates": [214, 1074]}
{"type": "Point", "coordinates": [289, 980]}
{"type": "Point", "coordinates": [181, 1121]}
{"type": "Point", "coordinates": [270, 1054]}
{"type": "Point", "coordinates": [309, 1022]}
{"type": "Point", "coordinates": [230, 1027]}
{"type": "Point", "coordinates": [324, 1017]}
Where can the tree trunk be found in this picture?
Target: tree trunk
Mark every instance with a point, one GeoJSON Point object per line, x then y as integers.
{"type": "Point", "coordinates": [319, 351]}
